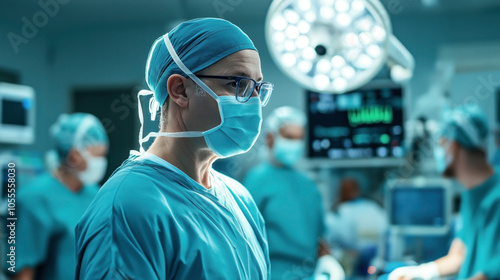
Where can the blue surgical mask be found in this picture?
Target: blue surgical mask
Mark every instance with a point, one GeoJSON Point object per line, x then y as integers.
{"type": "Point", "coordinates": [288, 151]}
{"type": "Point", "coordinates": [443, 160]}
{"type": "Point", "coordinates": [96, 168]}
{"type": "Point", "coordinates": [240, 122]}
{"type": "Point", "coordinates": [239, 128]}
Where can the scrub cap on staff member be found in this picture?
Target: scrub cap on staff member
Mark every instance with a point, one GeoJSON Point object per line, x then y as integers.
{"type": "Point", "coordinates": [78, 131]}
{"type": "Point", "coordinates": [284, 116]}
{"type": "Point", "coordinates": [467, 125]}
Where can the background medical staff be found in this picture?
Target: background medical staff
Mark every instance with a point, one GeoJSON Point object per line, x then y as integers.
{"type": "Point", "coordinates": [289, 201]}
{"type": "Point", "coordinates": [352, 230]}
{"type": "Point", "coordinates": [49, 209]}
{"type": "Point", "coordinates": [475, 253]}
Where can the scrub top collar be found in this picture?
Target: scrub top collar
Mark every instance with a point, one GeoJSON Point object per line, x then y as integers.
{"type": "Point", "coordinates": [166, 164]}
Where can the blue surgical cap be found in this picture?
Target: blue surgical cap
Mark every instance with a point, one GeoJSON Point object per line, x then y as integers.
{"type": "Point", "coordinates": [282, 116]}
{"type": "Point", "coordinates": [199, 43]}
{"type": "Point", "coordinates": [467, 125]}
{"type": "Point", "coordinates": [78, 131]}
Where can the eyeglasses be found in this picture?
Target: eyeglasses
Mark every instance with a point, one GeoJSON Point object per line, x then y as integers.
{"type": "Point", "coordinates": [243, 87]}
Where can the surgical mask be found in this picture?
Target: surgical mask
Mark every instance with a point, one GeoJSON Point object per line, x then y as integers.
{"type": "Point", "coordinates": [443, 160]}
{"type": "Point", "coordinates": [240, 122]}
{"type": "Point", "coordinates": [96, 168]}
{"type": "Point", "coordinates": [288, 151]}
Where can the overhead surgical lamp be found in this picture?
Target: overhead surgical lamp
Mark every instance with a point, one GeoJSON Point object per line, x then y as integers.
{"type": "Point", "coordinates": [334, 45]}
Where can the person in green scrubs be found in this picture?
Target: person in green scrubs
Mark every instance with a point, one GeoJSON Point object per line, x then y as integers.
{"type": "Point", "coordinates": [49, 209]}
{"type": "Point", "coordinates": [289, 201]}
{"type": "Point", "coordinates": [475, 252]}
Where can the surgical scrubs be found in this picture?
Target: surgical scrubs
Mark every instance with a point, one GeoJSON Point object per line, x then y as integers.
{"type": "Point", "coordinates": [291, 205]}
{"type": "Point", "coordinates": [480, 210]}
{"type": "Point", "coordinates": [152, 221]}
{"type": "Point", "coordinates": [47, 213]}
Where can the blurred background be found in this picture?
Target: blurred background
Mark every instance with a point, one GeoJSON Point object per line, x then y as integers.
{"type": "Point", "coordinates": [89, 56]}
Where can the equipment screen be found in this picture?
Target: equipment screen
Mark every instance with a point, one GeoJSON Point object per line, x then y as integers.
{"type": "Point", "coordinates": [15, 112]}
{"type": "Point", "coordinates": [418, 206]}
{"type": "Point", "coordinates": [359, 124]}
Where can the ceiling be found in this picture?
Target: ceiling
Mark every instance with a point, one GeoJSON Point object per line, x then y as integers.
{"type": "Point", "coordinates": [88, 12]}
{"type": "Point", "coordinates": [93, 12]}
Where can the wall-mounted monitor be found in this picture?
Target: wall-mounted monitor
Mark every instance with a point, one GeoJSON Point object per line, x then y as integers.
{"type": "Point", "coordinates": [17, 114]}
{"type": "Point", "coordinates": [362, 124]}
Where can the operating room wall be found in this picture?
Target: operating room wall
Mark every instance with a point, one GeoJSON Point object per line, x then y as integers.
{"type": "Point", "coordinates": [104, 58]}
{"type": "Point", "coordinates": [30, 63]}
{"type": "Point", "coordinates": [463, 84]}
{"type": "Point", "coordinates": [426, 35]}
{"type": "Point", "coordinates": [114, 55]}
{"type": "Point", "coordinates": [423, 35]}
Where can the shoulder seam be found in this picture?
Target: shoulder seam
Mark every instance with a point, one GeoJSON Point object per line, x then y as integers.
{"type": "Point", "coordinates": [113, 268]}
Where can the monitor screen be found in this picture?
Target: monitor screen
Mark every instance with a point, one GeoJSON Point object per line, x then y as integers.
{"type": "Point", "coordinates": [418, 206]}
{"type": "Point", "coordinates": [365, 123]}
{"type": "Point", "coordinates": [15, 112]}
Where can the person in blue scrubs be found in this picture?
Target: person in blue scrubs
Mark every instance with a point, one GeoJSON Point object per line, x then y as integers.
{"type": "Point", "coordinates": [495, 161]}
{"type": "Point", "coordinates": [165, 213]}
{"type": "Point", "coordinates": [49, 209]}
{"type": "Point", "coordinates": [355, 225]}
{"type": "Point", "coordinates": [475, 252]}
{"type": "Point", "coordinates": [289, 201]}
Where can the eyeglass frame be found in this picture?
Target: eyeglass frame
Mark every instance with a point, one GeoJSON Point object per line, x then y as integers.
{"type": "Point", "coordinates": [237, 79]}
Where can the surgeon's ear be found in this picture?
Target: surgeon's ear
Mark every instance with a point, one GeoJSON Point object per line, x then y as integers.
{"type": "Point", "coordinates": [176, 86]}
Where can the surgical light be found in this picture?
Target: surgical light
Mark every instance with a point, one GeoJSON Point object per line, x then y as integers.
{"type": "Point", "coordinates": [338, 45]}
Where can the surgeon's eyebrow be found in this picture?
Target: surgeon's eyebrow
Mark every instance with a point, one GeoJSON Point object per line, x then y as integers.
{"type": "Point", "coordinates": [243, 74]}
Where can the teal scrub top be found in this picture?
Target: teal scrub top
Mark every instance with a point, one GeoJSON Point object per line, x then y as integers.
{"type": "Point", "coordinates": [47, 213]}
{"type": "Point", "coordinates": [480, 211]}
{"type": "Point", "coordinates": [152, 221]}
{"type": "Point", "coordinates": [292, 208]}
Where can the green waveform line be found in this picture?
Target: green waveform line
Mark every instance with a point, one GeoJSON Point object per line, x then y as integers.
{"type": "Point", "coordinates": [370, 115]}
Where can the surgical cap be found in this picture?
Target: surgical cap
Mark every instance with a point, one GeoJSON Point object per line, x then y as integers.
{"type": "Point", "coordinates": [78, 131]}
{"type": "Point", "coordinates": [284, 116]}
{"type": "Point", "coordinates": [199, 43]}
{"type": "Point", "coordinates": [467, 125]}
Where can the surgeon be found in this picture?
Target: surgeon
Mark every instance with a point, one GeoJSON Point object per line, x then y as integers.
{"type": "Point", "coordinates": [289, 201]}
{"type": "Point", "coordinates": [166, 214]}
{"type": "Point", "coordinates": [49, 209]}
{"type": "Point", "coordinates": [475, 252]}
{"type": "Point", "coordinates": [495, 161]}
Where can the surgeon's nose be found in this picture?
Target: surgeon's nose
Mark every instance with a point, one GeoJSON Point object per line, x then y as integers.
{"type": "Point", "coordinates": [255, 92]}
